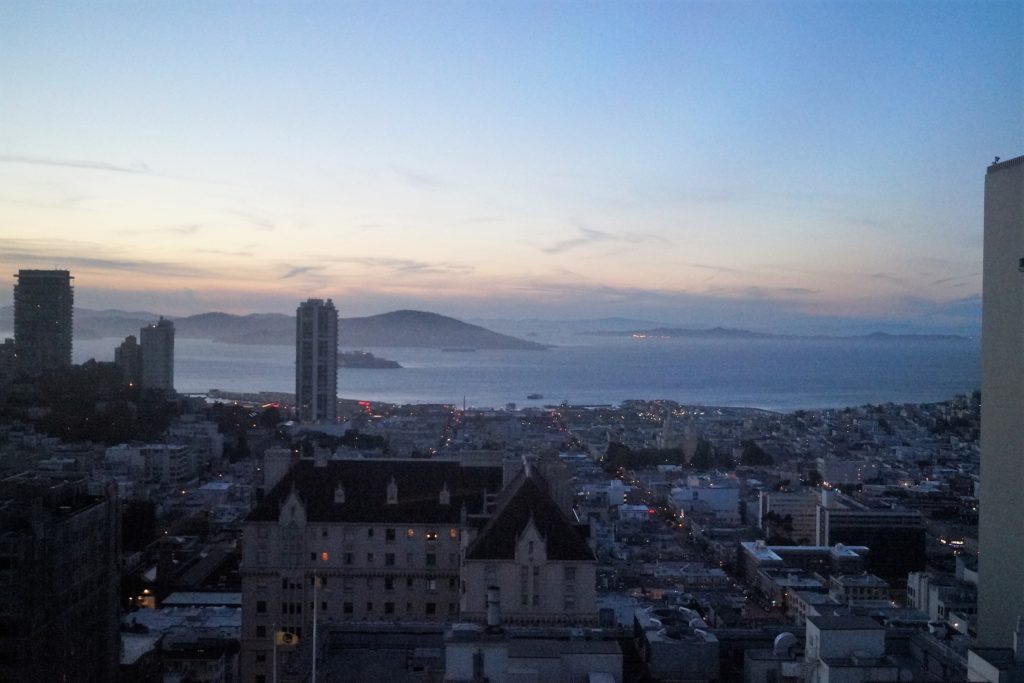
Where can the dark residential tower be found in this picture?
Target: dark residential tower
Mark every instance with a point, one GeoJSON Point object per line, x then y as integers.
{"type": "Point", "coordinates": [316, 361]}
{"type": "Point", "coordinates": [43, 303]}
{"type": "Point", "coordinates": [158, 356]}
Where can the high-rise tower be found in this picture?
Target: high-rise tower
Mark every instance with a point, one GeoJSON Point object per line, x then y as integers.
{"type": "Point", "coordinates": [1001, 524]}
{"type": "Point", "coordinates": [158, 356]}
{"type": "Point", "coordinates": [316, 361]}
{"type": "Point", "coordinates": [43, 301]}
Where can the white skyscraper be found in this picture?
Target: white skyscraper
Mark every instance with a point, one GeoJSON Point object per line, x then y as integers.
{"type": "Point", "coordinates": [316, 361]}
{"type": "Point", "coordinates": [157, 341]}
{"type": "Point", "coordinates": [1001, 528]}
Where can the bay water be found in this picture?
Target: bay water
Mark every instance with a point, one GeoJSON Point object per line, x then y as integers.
{"type": "Point", "coordinates": [781, 374]}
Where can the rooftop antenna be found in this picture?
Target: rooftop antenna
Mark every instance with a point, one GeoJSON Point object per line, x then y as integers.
{"type": "Point", "coordinates": [996, 161]}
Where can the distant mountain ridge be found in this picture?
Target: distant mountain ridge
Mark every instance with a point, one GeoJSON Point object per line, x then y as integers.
{"type": "Point", "coordinates": [418, 329]}
{"type": "Point", "coordinates": [733, 333]}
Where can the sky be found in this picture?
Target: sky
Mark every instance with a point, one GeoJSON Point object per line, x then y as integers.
{"type": "Point", "coordinates": [811, 165]}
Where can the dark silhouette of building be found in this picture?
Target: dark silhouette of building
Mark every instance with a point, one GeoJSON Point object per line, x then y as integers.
{"type": "Point", "coordinates": [58, 580]}
{"type": "Point", "coordinates": [128, 357]}
{"type": "Point", "coordinates": [158, 356]}
{"type": "Point", "coordinates": [316, 361]}
{"type": "Point", "coordinates": [43, 303]}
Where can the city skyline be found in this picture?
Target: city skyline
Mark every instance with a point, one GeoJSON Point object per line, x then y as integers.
{"type": "Point", "coordinates": [771, 164]}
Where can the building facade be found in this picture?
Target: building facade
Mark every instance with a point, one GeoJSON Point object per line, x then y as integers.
{"type": "Point", "coordinates": [1001, 517]}
{"type": "Point", "coordinates": [158, 356]}
{"type": "Point", "coordinates": [43, 306]}
{"type": "Point", "coordinates": [538, 560]}
{"type": "Point", "coordinates": [355, 540]}
{"type": "Point", "coordinates": [316, 361]}
{"type": "Point", "coordinates": [59, 580]}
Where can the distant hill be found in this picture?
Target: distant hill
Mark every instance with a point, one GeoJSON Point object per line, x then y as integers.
{"type": "Point", "coordinates": [731, 333]}
{"type": "Point", "coordinates": [421, 329]}
{"type": "Point", "coordinates": [398, 328]}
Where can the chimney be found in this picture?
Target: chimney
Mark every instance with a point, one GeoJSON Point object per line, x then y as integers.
{"type": "Point", "coordinates": [493, 609]}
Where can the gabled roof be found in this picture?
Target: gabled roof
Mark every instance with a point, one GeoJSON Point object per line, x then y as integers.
{"type": "Point", "coordinates": [365, 484]}
{"type": "Point", "coordinates": [526, 499]}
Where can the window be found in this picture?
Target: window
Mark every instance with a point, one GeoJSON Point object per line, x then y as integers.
{"type": "Point", "coordinates": [261, 631]}
{"type": "Point", "coordinates": [431, 559]}
{"type": "Point", "coordinates": [569, 574]}
{"type": "Point", "coordinates": [284, 608]}
{"type": "Point", "coordinates": [410, 532]}
{"type": "Point", "coordinates": [389, 535]}
{"type": "Point", "coordinates": [408, 608]}
{"type": "Point", "coordinates": [261, 657]}
{"type": "Point", "coordinates": [323, 532]}
{"type": "Point", "coordinates": [324, 556]}
{"type": "Point", "coordinates": [453, 533]}
{"type": "Point", "coordinates": [346, 584]}
{"type": "Point", "coordinates": [536, 599]}
{"type": "Point", "coordinates": [369, 558]}
{"type": "Point", "coordinates": [346, 607]}
{"type": "Point", "coordinates": [431, 535]}
{"type": "Point", "coordinates": [323, 605]}
{"type": "Point", "coordinates": [389, 608]}
{"type": "Point", "coordinates": [431, 608]}
{"type": "Point", "coordinates": [451, 583]}
{"type": "Point", "coordinates": [569, 601]}
{"type": "Point", "coordinates": [348, 558]}
{"type": "Point", "coordinates": [408, 582]}
{"type": "Point", "coordinates": [260, 678]}
{"type": "Point", "coordinates": [261, 606]}
{"type": "Point", "coordinates": [389, 559]}
{"type": "Point", "coordinates": [453, 608]}
{"type": "Point", "coordinates": [312, 557]}
{"type": "Point", "coordinates": [431, 585]}
{"type": "Point", "coordinates": [369, 532]}
{"type": "Point", "coordinates": [369, 607]}
{"type": "Point", "coordinates": [408, 559]}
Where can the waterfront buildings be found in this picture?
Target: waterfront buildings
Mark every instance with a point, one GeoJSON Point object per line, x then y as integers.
{"type": "Point", "coordinates": [158, 356]}
{"type": "Point", "coordinates": [1001, 555]}
{"type": "Point", "coordinates": [43, 302]}
{"type": "Point", "coordinates": [316, 361]}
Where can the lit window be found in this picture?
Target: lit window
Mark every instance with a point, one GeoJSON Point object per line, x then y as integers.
{"type": "Point", "coordinates": [453, 533]}
{"type": "Point", "coordinates": [431, 535]}
{"type": "Point", "coordinates": [324, 556]}
{"type": "Point", "coordinates": [410, 533]}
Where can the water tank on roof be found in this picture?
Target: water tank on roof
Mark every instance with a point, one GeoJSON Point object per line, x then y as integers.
{"type": "Point", "coordinates": [785, 644]}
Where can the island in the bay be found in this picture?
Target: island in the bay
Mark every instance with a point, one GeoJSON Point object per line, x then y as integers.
{"type": "Point", "coordinates": [365, 360]}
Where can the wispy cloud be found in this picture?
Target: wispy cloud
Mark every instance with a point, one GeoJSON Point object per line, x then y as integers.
{"type": "Point", "coordinates": [589, 236]}
{"type": "Point", "coordinates": [409, 266]}
{"type": "Point", "coordinates": [190, 229]}
{"type": "Point", "coordinates": [300, 270]}
{"type": "Point", "coordinates": [75, 163]}
{"type": "Point", "coordinates": [70, 254]}
{"type": "Point", "coordinates": [255, 220]}
{"type": "Point", "coordinates": [419, 179]}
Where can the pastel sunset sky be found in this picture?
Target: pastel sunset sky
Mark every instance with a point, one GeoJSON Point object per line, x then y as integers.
{"type": "Point", "coordinates": [739, 163]}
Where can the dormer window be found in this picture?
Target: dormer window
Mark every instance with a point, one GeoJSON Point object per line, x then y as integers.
{"type": "Point", "coordinates": [392, 492]}
{"type": "Point", "coordinates": [339, 494]}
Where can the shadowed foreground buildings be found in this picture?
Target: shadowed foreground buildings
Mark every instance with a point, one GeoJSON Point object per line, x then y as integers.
{"type": "Point", "coordinates": [43, 304]}
{"type": "Point", "coordinates": [1001, 523]}
{"type": "Point", "coordinates": [59, 581]}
